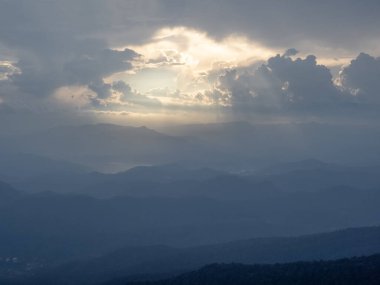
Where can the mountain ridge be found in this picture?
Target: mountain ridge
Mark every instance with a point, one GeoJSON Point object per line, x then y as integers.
{"type": "Point", "coordinates": [154, 260]}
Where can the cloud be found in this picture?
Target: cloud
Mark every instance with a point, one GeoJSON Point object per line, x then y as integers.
{"type": "Point", "coordinates": [188, 48]}
{"type": "Point", "coordinates": [78, 47]}
{"type": "Point", "coordinates": [59, 43]}
{"type": "Point", "coordinates": [300, 87]}
{"type": "Point", "coordinates": [291, 52]}
{"type": "Point", "coordinates": [40, 76]}
{"type": "Point", "coordinates": [304, 83]}
{"type": "Point", "coordinates": [131, 96]}
{"type": "Point", "coordinates": [281, 84]}
{"type": "Point", "coordinates": [7, 69]}
{"type": "Point", "coordinates": [361, 78]}
{"type": "Point", "coordinates": [96, 65]}
{"type": "Point", "coordinates": [313, 26]}
{"type": "Point", "coordinates": [102, 89]}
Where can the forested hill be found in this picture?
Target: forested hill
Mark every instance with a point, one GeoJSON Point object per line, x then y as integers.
{"type": "Point", "coordinates": [358, 270]}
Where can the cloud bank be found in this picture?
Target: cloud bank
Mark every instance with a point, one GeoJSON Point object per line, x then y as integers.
{"type": "Point", "coordinates": [190, 57]}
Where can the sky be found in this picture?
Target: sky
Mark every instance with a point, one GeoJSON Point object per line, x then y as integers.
{"type": "Point", "coordinates": [172, 62]}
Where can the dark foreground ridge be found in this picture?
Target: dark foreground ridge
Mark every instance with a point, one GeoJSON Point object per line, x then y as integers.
{"type": "Point", "coordinates": [358, 270]}
{"type": "Point", "coordinates": [159, 262]}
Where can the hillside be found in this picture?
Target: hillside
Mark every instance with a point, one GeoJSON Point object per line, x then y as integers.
{"type": "Point", "coordinates": [362, 270]}
{"type": "Point", "coordinates": [160, 260]}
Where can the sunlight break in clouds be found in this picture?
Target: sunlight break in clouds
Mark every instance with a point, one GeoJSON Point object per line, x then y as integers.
{"type": "Point", "coordinates": [177, 57]}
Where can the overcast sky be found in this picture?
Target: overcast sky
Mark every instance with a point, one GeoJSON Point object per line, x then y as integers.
{"type": "Point", "coordinates": [149, 61]}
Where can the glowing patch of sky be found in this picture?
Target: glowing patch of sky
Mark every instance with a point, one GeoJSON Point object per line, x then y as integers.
{"type": "Point", "coordinates": [176, 58]}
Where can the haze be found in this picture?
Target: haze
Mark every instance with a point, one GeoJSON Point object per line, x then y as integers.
{"type": "Point", "coordinates": [141, 140]}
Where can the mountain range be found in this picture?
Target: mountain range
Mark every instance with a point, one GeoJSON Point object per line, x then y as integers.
{"type": "Point", "coordinates": [137, 262]}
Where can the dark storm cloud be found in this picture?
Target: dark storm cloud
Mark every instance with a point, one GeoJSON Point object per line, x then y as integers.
{"type": "Point", "coordinates": [281, 83]}
{"type": "Point", "coordinates": [89, 66]}
{"type": "Point", "coordinates": [300, 86]}
{"type": "Point", "coordinates": [55, 46]}
{"type": "Point", "coordinates": [347, 24]}
{"type": "Point", "coordinates": [361, 78]}
{"type": "Point", "coordinates": [41, 74]}
{"type": "Point", "coordinates": [304, 82]}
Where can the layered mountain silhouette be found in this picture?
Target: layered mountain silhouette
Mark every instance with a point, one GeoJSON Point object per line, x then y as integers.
{"type": "Point", "coordinates": [231, 146]}
{"type": "Point", "coordinates": [362, 270]}
{"type": "Point", "coordinates": [137, 262]}
{"type": "Point", "coordinates": [176, 180]}
{"type": "Point", "coordinates": [182, 200]}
